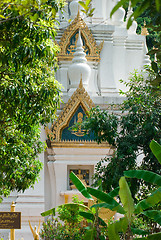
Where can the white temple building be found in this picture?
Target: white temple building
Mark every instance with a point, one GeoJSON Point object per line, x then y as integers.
{"type": "Point", "coordinates": [95, 53]}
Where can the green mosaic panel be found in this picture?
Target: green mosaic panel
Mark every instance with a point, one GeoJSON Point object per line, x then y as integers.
{"type": "Point", "coordinates": [67, 134]}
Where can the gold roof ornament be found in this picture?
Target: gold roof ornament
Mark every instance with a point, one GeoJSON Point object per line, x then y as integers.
{"type": "Point", "coordinates": [144, 30]}
{"type": "Point", "coordinates": [80, 96]}
{"type": "Point", "coordinates": [68, 44]}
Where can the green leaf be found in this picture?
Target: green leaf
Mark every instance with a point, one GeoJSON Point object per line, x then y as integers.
{"type": "Point", "coordinates": [112, 204]}
{"type": "Point", "coordinates": [158, 5]}
{"type": "Point", "coordinates": [67, 205]}
{"type": "Point", "coordinates": [48, 212]}
{"type": "Point", "coordinates": [74, 206]}
{"type": "Point", "coordinates": [126, 198]}
{"type": "Point", "coordinates": [102, 222]}
{"type": "Point", "coordinates": [145, 175]}
{"type": "Point", "coordinates": [115, 228]}
{"type": "Point", "coordinates": [87, 215]}
{"type": "Point", "coordinates": [154, 66]}
{"type": "Point", "coordinates": [117, 6]}
{"type": "Point", "coordinates": [102, 238]}
{"type": "Point", "coordinates": [112, 233]}
{"type": "Point", "coordinates": [102, 205]}
{"type": "Point", "coordinates": [150, 201]}
{"type": "Point", "coordinates": [114, 192]}
{"type": "Point", "coordinates": [155, 236]}
{"type": "Point", "coordinates": [139, 231]}
{"type": "Point", "coordinates": [80, 186]}
{"type": "Point", "coordinates": [156, 150]}
{"type": "Point", "coordinates": [88, 2]}
{"type": "Point", "coordinates": [91, 12]}
{"type": "Point", "coordinates": [143, 6]}
{"type": "Point", "coordinates": [90, 234]}
{"type": "Point", "coordinates": [1, 16]}
{"type": "Point", "coordinates": [91, 216]}
{"type": "Point", "coordinates": [153, 214]}
{"type": "Point", "coordinates": [83, 5]}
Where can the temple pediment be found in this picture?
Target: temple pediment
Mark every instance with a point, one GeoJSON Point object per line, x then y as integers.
{"type": "Point", "coordinates": [69, 38]}
{"type": "Point", "coordinates": [74, 111]}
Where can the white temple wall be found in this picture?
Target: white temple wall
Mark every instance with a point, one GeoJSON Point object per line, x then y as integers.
{"type": "Point", "coordinates": [59, 162]}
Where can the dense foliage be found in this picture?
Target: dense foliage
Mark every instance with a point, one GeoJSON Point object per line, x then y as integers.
{"type": "Point", "coordinates": [125, 227]}
{"type": "Point", "coordinates": [70, 227]}
{"type": "Point", "coordinates": [131, 132]}
{"type": "Point", "coordinates": [29, 93]}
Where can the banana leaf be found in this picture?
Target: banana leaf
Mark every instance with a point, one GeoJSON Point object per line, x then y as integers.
{"type": "Point", "coordinates": [117, 227]}
{"type": "Point", "coordinates": [155, 236]}
{"type": "Point", "coordinates": [114, 192]}
{"type": "Point", "coordinates": [87, 215]}
{"type": "Point", "coordinates": [150, 201]}
{"type": "Point", "coordinates": [112, 204]}
{"type": "Point", "coordinates": [102, 205]}
{"type": "Point", "coordinates": [48, 212]}
{"type": "Point", "coordinates": [90, 216]}
{"type": "Point", "coordinates": [153, 214]}
{"type": "Point", "coordinates": [102, 238]}
{"type": "Point", "coordinates": [139, 231]}
{"type": "Point", "coordinates": [112, 233]}
{"type": "Point", "coordinates": [67, 205]}
{"type": "Point", "coordinates": [145, 175]}
{"type": "Point", "coordinates": [90, 234]}
{"type": "Point", "coordinates": [102, 222]}
{"type": "Point", "coordinates": [156, 150]}
{"type": "Point", "coordinates": [126, 198]}
{"type": "Point", "coordinates": [80, 186]}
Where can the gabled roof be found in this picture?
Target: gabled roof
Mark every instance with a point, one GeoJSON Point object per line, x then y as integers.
{"type": "Point", "coordinates": [89, 41]}
{"type": "Point", "coordinates": [80, 96]}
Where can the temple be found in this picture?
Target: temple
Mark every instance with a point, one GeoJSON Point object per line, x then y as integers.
{"type": "Point", "coordinates": [95, 53]}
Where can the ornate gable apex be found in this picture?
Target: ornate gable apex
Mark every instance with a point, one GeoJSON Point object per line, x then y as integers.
{"type": "Point", "coordinates": [89, 41]}
{"type": "Point", "coordinates": [79, 97]}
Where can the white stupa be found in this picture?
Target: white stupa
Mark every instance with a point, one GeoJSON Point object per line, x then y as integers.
{"type": "Point", "coordinates": [79, 67]}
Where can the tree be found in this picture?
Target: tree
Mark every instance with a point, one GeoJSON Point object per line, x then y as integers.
{"type": "Point", "coordinates": [130, 133]}
{"type": "Point", "coordinates": [29, 92]}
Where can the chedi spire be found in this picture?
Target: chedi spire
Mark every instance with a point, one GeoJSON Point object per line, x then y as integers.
{"type": "Point", "coordinates": [79, 67]}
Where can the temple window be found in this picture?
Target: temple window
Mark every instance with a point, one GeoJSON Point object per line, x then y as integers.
{"type": "Point", "coordinates": [84, 173]}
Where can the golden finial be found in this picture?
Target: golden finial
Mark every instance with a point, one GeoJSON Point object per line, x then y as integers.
{"type": "Point", "coordinates": [78, 14]}
{"type": "Point", "coordinates": [144, 30]}
{"type": "Point", "coordinates": [81, 83]}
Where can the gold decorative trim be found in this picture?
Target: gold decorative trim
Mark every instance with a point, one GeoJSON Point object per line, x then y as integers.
{"type": "Point", "coordinates": [80, 144]}
{"type": "Point", "coordinates": [94, 49]}
{"type": "Point", "coordinates": [80, 96]}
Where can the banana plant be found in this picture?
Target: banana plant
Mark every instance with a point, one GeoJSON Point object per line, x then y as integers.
{"type": "Point", "coordinates": [108, 201]}
{"type": "Point", "coordinates": [127, 206]}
